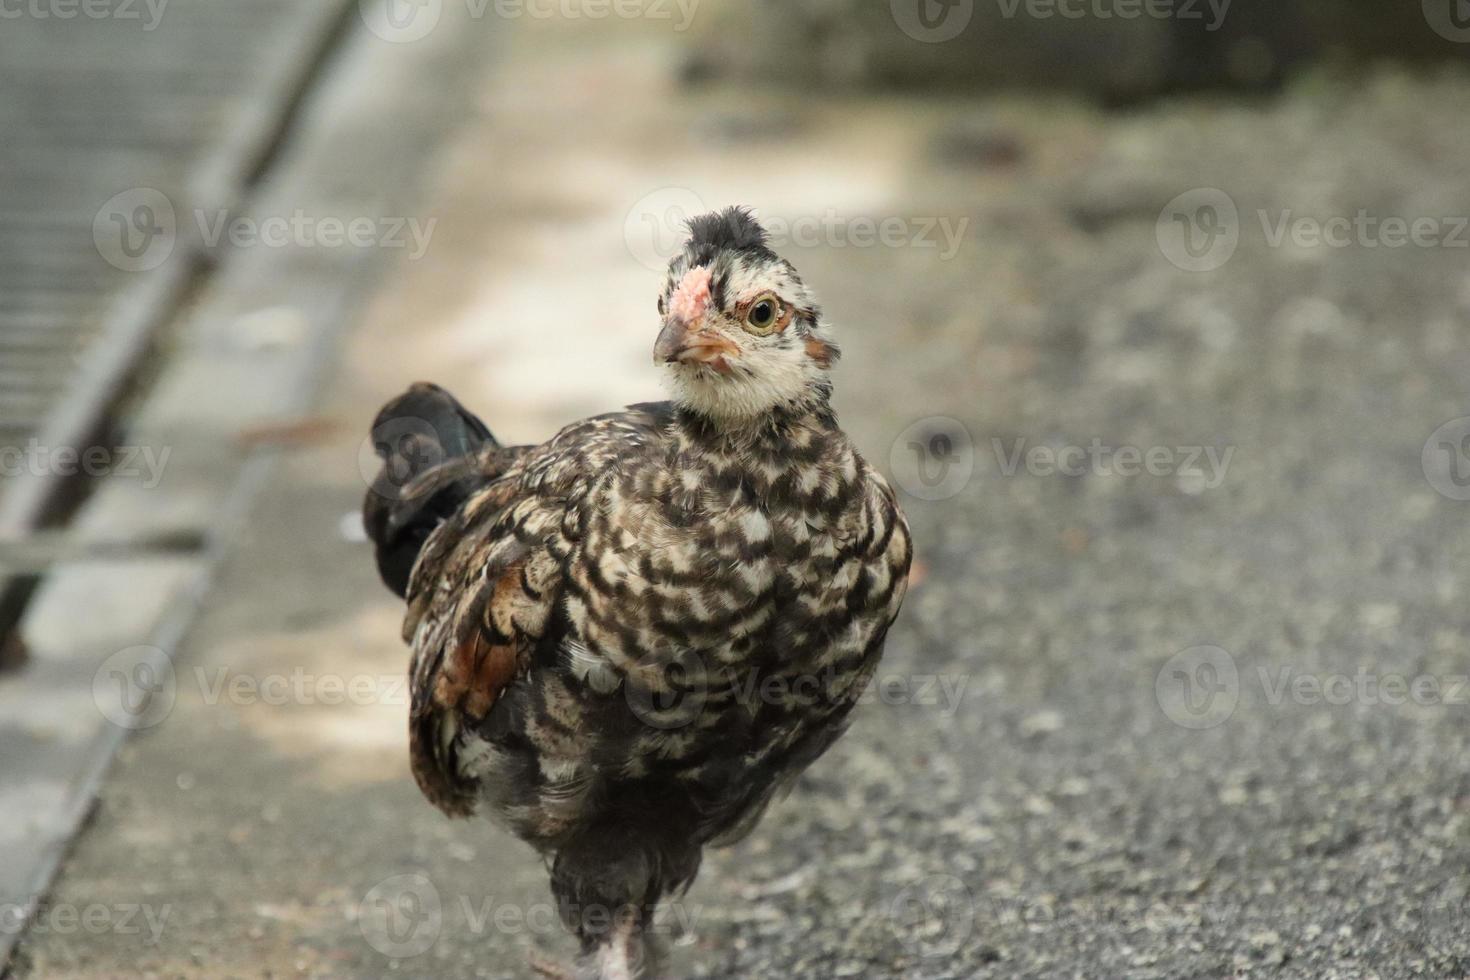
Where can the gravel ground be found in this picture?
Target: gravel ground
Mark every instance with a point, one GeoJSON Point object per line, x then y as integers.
{"type": "Point", "coordinates": [1203, 720]}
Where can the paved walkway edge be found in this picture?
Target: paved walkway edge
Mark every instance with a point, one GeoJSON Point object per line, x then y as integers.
{"type": "Point", "coordinates": [219, 384]}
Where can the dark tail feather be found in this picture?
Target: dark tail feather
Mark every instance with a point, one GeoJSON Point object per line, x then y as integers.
{"type": "Point", "coordinates": [428, 442]}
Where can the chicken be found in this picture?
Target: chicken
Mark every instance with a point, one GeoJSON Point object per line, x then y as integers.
{"type": "Point", "coordinates": [629, 639]}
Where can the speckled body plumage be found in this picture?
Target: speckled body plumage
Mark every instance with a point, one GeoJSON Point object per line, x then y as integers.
{"type": "Point", "coordinates": [628, 639]}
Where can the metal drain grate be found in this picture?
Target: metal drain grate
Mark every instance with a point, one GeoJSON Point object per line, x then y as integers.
{"type": "Point", "coordinates": [100, 121]}
{"type": "Point", "coordinates": [106, 112]}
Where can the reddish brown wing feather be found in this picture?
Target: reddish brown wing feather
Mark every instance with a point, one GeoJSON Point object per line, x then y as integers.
{"type": "Point", "coordinates": [482, 663]}
{"type": "Point", "coordinates": [458, 679]}
{"type": "Point", "coordinates": [461, 687]}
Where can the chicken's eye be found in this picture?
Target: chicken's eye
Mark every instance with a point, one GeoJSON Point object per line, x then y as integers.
{"type": "Point", "coordinates": [763, 315]}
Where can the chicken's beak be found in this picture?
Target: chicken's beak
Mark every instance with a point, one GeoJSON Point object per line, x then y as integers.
{"type": "Point", "coordinates": [681, 342]}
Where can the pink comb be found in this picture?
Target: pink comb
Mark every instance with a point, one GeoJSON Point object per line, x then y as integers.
{"type": "Point", "coordinates": [692, 297]}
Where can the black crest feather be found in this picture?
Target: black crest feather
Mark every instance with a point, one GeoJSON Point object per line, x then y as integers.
{"type": "Point", "coordinates": [733, 229]}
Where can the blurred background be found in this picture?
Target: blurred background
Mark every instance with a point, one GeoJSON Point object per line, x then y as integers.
{"type": "Point", "coordinates": [1153, 310]}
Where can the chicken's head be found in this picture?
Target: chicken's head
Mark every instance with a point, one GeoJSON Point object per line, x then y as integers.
{"type": "Point", "coordinates": [742, 335]}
